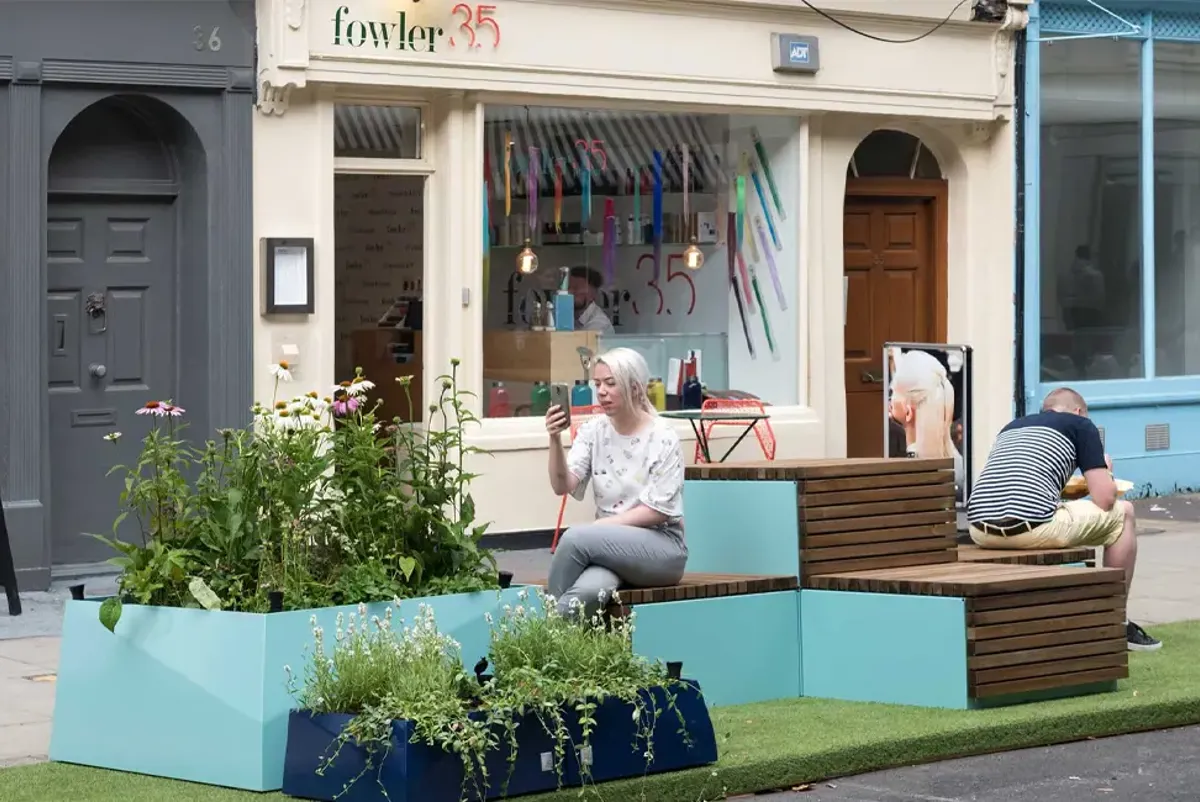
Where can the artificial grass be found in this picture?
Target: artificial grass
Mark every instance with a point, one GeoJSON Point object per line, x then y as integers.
{"type": "Point", "coordinates": [779, 744]}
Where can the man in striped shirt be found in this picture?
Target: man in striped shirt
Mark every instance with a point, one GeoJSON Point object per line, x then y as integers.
{"type": "Point", "coordinates": [1017, 501]}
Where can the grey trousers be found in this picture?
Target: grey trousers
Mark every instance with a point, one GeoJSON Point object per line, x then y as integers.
{"type": "Point", "coordinates": [594, 560]}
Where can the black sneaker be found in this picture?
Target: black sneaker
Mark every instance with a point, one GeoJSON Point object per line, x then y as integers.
{"type": "Point", "coordinates": [1138, 640]}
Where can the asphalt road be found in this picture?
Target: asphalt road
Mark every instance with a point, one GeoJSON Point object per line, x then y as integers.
{"type": "Point", "coordinates": [1150, 767]}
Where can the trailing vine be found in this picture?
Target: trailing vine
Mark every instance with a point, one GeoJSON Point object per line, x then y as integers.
{"type": "Point", "coordinates": [555, 669]}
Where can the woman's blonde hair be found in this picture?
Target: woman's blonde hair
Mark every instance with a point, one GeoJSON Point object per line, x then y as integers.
{"type": "Point", "coordinates": [632, 375]}
{"type": "Point", "coordinates": [920, 381]}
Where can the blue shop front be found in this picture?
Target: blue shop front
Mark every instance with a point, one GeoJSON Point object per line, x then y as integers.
{"type": "Point", "coordinates": [1109, 269]}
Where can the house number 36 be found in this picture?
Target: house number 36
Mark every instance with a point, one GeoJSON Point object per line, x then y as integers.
{"type": "Point", "coordinates": [210, 42]}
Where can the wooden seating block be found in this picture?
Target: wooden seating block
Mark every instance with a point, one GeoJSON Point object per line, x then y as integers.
{"type": "Point", "coordinates": [973, 553]}
{"type": "Point", "coordinates": [859, 514]}
{"type": "Point", "coordinates": [1024, 642]}
{"type": "Point", "coordinates": [697, 586]}
{"type": "Point", "coordinates": [1029, 628]}
{"type": "Point", "coordinates": [966, 580]}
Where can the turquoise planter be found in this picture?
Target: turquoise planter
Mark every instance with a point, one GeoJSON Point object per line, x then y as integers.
{"type": "Point", "coordinates": [202, 696]}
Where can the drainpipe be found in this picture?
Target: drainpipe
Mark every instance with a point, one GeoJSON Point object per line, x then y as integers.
{"type": "Point", "coordinates": [1019, 229]}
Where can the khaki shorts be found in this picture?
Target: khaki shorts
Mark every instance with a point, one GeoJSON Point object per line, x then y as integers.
{"type": "Point", "coordinates": [1076, 523]}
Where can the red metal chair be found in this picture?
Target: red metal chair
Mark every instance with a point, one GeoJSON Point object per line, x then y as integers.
{"type": "Point", "coordinates": [579, 416]}
{"type": "Point", "coordinates": [762, 428]}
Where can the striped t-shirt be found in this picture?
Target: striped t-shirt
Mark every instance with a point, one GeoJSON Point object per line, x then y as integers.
{"type": "Point", "coordinates": [1030, 464]}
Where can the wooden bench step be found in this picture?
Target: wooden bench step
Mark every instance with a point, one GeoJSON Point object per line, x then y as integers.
{"type": "Point", "coordinates": [973, 553]}
{"type": "Point", "coordinates": [966, 579]}
{"type": "Point", "coordinates": [696, 586]}
{"type": "Point", "coordinates": [1029, 628]}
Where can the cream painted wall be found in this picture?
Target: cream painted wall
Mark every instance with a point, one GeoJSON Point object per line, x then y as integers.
{"type": "Point", "coordinates": [950, 89]}
{"type": "Point", "coordinates": [295, 201]}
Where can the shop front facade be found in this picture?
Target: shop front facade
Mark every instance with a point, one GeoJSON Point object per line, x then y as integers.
{"type": "Point", "coordinates": [842, 191]}
{"type": "Point", "coordinates": [125, 210]}
{"type": "Point", "coordinates": [1111, 258]}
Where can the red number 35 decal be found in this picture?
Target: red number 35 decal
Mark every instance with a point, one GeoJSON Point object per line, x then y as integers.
{"type": "Point", "coordinates": [474, 20]}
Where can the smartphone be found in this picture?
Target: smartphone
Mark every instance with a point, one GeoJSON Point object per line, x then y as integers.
{"type": "Point", "coordinates": [560, 395]}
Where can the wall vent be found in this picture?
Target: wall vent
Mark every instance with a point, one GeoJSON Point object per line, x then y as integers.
{"type": "Point", "coordinates": [1158, 437]}
{"type": "Point", "coordinates": [1101, 430]}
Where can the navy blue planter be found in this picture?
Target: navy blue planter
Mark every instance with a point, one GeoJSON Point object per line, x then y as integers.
{"type": "Point", "coordinates": [419, 773]}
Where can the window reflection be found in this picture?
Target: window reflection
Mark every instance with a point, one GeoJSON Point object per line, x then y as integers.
{"type": "Point", "coordinates": [1091, 251]}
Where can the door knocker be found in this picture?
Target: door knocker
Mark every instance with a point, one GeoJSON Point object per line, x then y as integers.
{"type": "Point", "coordinates": [96, 311]}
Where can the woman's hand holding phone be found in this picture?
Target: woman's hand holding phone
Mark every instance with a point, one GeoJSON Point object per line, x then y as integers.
{"type": "Point", "coordinates": [556, 420]}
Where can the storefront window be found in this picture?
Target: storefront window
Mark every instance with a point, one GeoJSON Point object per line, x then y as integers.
{"type": "Point", "coordinates": [376, 132]}
{"type": "Point", "coordinates": [1091, 239]}
{"type": "Point", "coordinates": [609, 204]}
{"type": "Point", "coordinates": [1177, 208]}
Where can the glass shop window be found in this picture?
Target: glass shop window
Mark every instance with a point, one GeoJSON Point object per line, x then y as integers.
{"type": "Point", "coordinates": [672, 234]}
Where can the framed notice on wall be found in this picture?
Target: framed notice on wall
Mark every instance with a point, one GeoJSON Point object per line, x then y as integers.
{"type": "Point", "coordinates": [288, 278]}
{"type": "Point", "coordinates": [927, 406]}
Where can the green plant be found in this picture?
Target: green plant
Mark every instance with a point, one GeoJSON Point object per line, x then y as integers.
{"type": "Point", "coordinates": [315, 498]}
{"type": "Point", "coordinates": [544, 665]}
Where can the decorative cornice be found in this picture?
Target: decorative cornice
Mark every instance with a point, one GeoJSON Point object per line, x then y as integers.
{"type": "Point", "coordinates": [273, 100]}
{"type": "Point", "coordinates": [294, 12]}
{"type": "Point", "coordinates": [5, 68]}
{"type": "Point", "coordinates": [27, 72]}
{"type": "Point", "coordinates": [978, 133]}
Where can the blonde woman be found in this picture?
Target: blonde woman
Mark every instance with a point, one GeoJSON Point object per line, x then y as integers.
{"type": "Point", "coordinates": [634, 462]}
{"type": "Point", "coordinates": [923, 402]}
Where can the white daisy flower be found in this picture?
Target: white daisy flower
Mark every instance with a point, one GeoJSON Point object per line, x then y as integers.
{"type": "Point", "coordinates": [112, 437]}
{"type": "Point", "coordinates": [282, 371]}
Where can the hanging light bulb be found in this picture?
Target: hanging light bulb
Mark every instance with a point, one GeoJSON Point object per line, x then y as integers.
{"type": "Point", "coordinates": [527, 261]}
{"type": "Point", "coordinates": [693, 257]}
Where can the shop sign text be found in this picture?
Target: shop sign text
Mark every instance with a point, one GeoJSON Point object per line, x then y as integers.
{"type": "Point", "coordinates": [470, 26]}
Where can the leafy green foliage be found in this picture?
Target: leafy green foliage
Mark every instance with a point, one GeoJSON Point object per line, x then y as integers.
{"type": "Point", "coordinates": [544, 665]}
{"type": "Point", "coordinates": [316, 498]}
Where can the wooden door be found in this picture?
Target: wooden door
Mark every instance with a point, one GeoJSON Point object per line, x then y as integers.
{"type": "Point", "coordinates": [890, 272]}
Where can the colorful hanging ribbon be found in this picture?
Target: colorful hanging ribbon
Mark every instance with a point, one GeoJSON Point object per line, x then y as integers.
{"type": "Point", "coordinates": [637, 206]}
{"type": "Point", "coordinates": [533, 181]}
{"type": "Point", "coordinates": [610, 242]}
{"type": "Point", "coordinates": [731, 255]}
{"type": "Point", "coordinates": [585, 214]}
{"type": "Point", "coordinates": [722, 201]}
{"type": "Point", "coordinates": [508, 143]}
{"type": "Point", "coordinates": [746, 284]}
{"type": "Point", "coordinates": [741, 210]}
{"type": "Point", "coordinates": [762, 235]}
{"type": "Point", "coordinates": [766, 165]}
{"type": "Point", "coordinates": [487, 244]}
{"type": "Point", "coordinates": [762, 201]}
{"type": "Point", "coordinates": [685, 157]}
{"type": "Point", "coordinates": [763, 308]}
{"type": "Point", "coordinates": [658, 211]}
{"type": "Point", "coordinates": [558, 195]}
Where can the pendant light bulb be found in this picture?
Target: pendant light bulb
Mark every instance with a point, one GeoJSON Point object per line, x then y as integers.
{"type": "Point", "coordinates": [693, 257]}
{"type": "Point", "coordinates": [527, 261]}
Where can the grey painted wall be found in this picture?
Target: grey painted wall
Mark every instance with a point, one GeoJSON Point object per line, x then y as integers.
{"type": "Point", "coordinates": [56, 59]}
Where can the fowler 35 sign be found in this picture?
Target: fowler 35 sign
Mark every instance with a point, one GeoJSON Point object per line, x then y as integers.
{"type": "Point", "coordinates": [418, 30]}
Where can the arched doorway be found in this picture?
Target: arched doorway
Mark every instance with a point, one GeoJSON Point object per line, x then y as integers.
{"type": "Point", "coordinates": [894, 269]}
{"type": "Point", "coordinates": [113, 313]}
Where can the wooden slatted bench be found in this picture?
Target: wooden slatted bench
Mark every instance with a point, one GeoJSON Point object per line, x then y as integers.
{"type": "Point", "coordinates": [1024, 629]}
{"type": "Point", "coordinates": [861, 514]}
{"type": "Point", "coordinates": [973, 553]}
{"type": "Point", "coordinates": [696, 586]}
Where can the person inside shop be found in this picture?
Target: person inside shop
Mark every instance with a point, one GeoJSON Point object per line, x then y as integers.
{"type": "Point", "coordinates": [634, 461]}
{"type": "Point", "coordinates": [1017, 501]}
{"type": "Point", "coordinates": [585, 283]}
